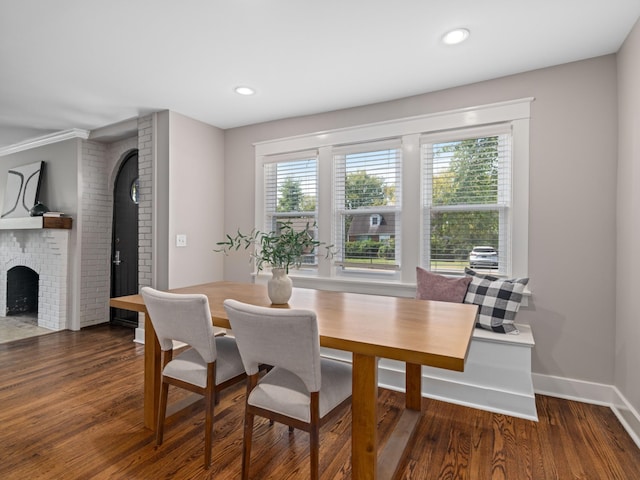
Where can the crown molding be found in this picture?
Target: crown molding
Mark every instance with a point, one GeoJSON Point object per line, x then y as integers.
{"type": "Point", "coordinates": [45, 140]}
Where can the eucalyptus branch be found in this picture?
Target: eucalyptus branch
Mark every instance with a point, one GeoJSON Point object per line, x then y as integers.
{"type": "Point", "coordinates": [283, 249]}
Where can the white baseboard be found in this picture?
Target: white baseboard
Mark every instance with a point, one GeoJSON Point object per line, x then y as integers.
{"type": "Point", "coordinates": [572, 389]}
{"type": "Point", "coordinates": [627, 415]}
{"type": "Point", "coordinates": [591, 392]}
{"type": "Point", "coordinates": [139, 337]}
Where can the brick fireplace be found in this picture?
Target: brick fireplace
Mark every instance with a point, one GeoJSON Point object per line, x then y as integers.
{"type": "Point", "coordinates": [34, 270]}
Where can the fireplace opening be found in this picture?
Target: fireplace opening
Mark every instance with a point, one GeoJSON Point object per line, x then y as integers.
{"type": "Point", "coordinates": [22, 291]}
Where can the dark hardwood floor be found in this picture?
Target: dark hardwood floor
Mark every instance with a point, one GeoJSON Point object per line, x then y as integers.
{"type": "Point", "coordinates": [71, 407]}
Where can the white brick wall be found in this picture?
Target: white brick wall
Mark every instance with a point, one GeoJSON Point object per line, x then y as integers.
{"type": "Point", "coordinates": [46, 252]}
{"type": "Point", "coordinates": [100, 164]}
{"type": "Point", "coordinates": [95, 237]}
{"type": "Point", "coordinates": [145, 220]}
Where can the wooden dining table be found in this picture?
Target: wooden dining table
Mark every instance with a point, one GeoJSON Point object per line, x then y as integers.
{"type": "Point", "coordinates": [416, 332]}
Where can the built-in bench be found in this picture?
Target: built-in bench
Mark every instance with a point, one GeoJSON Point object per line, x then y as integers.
{"type": "Point", "coordinates": [497, 375]}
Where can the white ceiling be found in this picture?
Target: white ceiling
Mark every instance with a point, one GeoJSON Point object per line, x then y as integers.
{"type": "Point", "coordinates": [90, 63]}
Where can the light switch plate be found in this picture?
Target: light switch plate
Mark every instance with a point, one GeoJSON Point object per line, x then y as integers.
{"type": "Point", "coordinates": [181, 240]}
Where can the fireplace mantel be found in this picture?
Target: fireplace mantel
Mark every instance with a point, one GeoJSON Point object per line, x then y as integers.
{"type": "Point", "coordinates": [35, 223]}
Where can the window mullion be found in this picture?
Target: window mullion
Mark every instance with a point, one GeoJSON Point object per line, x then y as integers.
{"type": "Point", "coordinates": [325, 207]}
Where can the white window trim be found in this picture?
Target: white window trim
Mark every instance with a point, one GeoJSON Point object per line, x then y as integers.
{"type": "Point", "coordinates": [516, 112]}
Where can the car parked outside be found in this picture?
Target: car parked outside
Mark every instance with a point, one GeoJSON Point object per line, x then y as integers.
{"type": "Point", "coordinates": [483, 256]}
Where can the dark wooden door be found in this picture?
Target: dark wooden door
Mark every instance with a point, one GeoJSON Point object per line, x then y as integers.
{"type": "Point", "coordinates": [124, 245]}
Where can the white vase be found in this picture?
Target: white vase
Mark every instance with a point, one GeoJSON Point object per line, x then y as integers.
{"type": "Point", "coordinates": [279, 286]}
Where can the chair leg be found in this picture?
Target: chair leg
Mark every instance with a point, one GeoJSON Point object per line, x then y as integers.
{"type": "Point", "coordinates": [314, 436]}
{"type": "Point", "coordinates": [208, 426]}
{"type": "Point", "coordinates": [252, 381]}
{"type": "Point", "coordinates": [246, 445]}
{"type": "Point", "coordinates": [167, 356]}
{"type": "Point", "coordinates": [314, 452]}
{"type": "Point", "coordinates": [210, 400]}
{"type": "Point", "coordinates": [162, 412]}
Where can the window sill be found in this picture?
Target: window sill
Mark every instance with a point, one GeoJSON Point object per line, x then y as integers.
{"type": "Point", "coordinates": [370, 287]}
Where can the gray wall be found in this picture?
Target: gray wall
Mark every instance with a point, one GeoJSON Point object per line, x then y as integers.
{"type": "Point", "coordinates": [572, 200]}
{"type": "Point", "coordinates": [627, 353]}
{"type": "Point", "coordinates": [196, 209]}
{"type": "Point", "coordinates": [188, 199]}
{"type": "Point", "coordinates": [59, 188]}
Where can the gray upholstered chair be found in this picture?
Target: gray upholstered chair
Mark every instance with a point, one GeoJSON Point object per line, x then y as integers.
{"type": "Point", "coordinates": [302, 390]}
{"type": "Point", "coordinates": [211, 364]}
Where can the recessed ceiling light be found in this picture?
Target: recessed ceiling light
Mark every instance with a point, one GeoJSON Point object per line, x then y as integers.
{"type": "Point", "coordinates": [456, 36]}
{"type": "Point", "coordinates": [244, 90]}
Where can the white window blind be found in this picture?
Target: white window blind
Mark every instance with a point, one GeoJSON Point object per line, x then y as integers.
{"type": "Point", "coordinates": [467, 200]}
{"type": "Point", "coordinates": [291, 183]}
{"type": "Point", "coordinates": [367, 205]}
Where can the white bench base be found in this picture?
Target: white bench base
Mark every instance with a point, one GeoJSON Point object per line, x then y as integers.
{"type": "Point", "coordinates": [497, 375]}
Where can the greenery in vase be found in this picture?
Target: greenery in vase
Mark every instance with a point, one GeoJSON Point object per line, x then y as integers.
{"type": "Point", "coordinates": [282, 249]}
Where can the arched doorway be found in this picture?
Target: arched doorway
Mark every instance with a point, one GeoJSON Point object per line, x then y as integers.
{"type": "Point", "coordinates": [124, 244]}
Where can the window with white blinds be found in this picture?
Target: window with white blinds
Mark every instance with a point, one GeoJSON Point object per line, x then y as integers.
{"type": "Point", "coordinates": [467, 200]}
{"type": "Point", "coordinates": [367, 189]}
{"type": "Point", "coordinates": [426, 190]}
{"type": "Point", "coordinates": [291, 195]}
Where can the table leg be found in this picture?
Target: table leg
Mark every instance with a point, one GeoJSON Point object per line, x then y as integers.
{"type": "Point", "coordinates": [364, 433]}
{"type": "Point", "coordinates": [397, 447]}
{"type": "Point", "coordinates": [413, 386]}
{"type": "Point", "coordinates": [152, 374]}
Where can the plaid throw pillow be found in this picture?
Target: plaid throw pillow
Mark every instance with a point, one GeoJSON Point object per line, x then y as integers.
{"type": "Point", "coordinates": [498, 300]}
